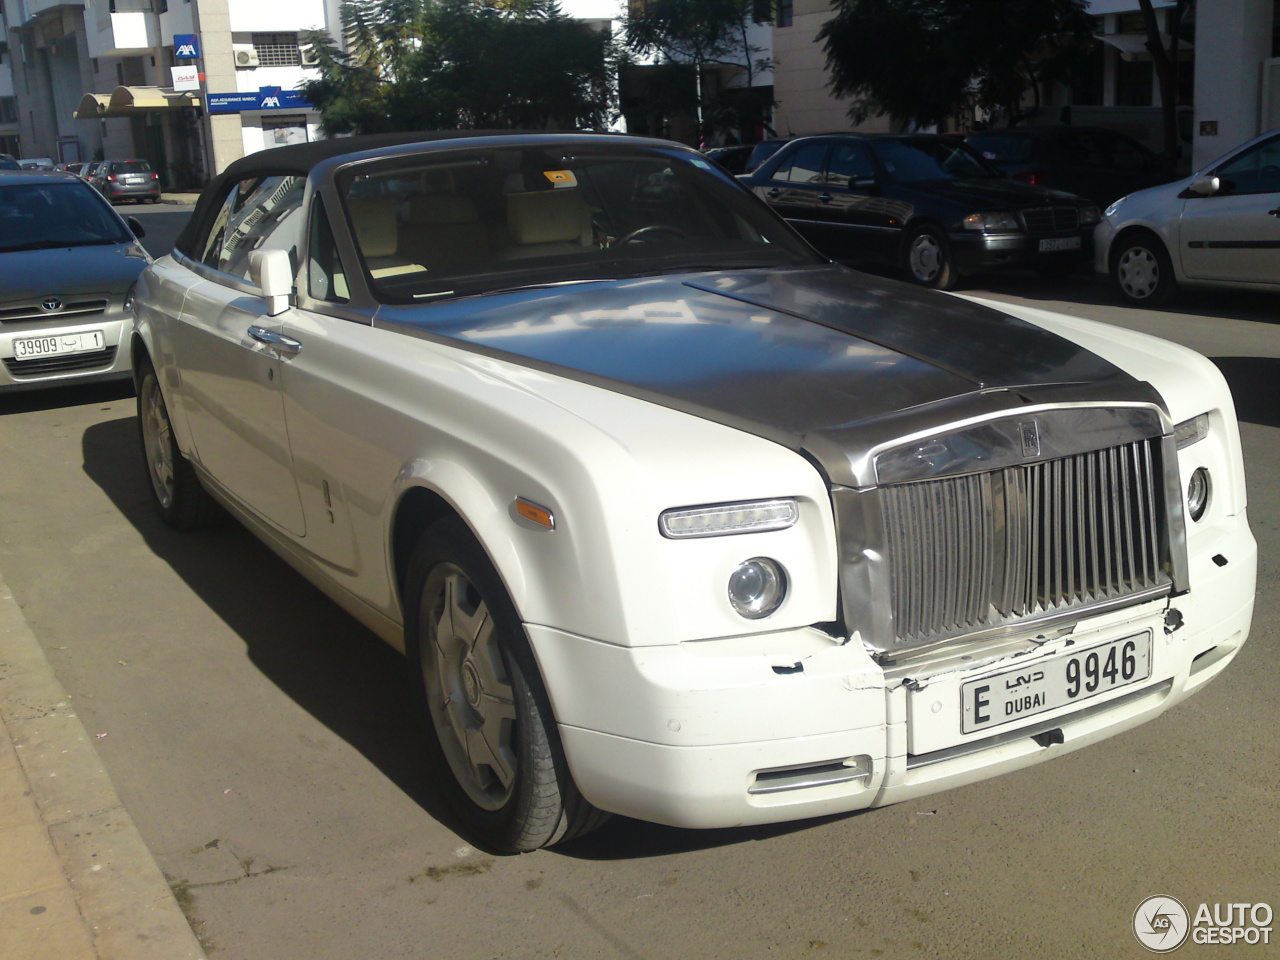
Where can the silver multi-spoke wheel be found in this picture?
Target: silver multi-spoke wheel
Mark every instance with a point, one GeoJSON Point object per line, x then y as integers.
{"type": "Point", "coordinates": [157, 441]}
{"type": "Point", "coordinates": [1138, 273]}
{"type": "Point", "coordinates": [468, 687]}
{"type": "Point", "coordinates": [494, 748]}
{"type": "Point", "coordinates": [180, 499]}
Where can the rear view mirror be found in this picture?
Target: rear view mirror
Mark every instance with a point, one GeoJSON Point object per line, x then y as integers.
{"type": "Point", "coordinates": [272, 273]}
{"type": "Point", "coordinates": [138, 230]}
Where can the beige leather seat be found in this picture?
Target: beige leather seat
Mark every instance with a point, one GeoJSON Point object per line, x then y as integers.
{"type": "Point", "coordinates": [546, 223]}
{"type": "Point", "coordinates": [441, 232]}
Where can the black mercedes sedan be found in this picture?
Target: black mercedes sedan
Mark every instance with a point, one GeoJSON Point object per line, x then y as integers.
{"type": "Point", "coordinates": [927, 203]}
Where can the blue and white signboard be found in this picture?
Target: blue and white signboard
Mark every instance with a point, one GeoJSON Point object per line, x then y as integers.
{"type": "Point", "coordinates": [186, 46]}
{"type": "Point", "coordinates": [266, 98]}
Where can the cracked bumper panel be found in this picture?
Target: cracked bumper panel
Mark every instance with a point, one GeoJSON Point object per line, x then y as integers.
{"type": "Point", "coordinates": [682, 734]}
{"type": "Point", "coordinates": [687, 734]}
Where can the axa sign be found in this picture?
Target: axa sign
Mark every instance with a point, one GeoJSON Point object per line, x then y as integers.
{"type": "Point", "coordinates": [186, 46]}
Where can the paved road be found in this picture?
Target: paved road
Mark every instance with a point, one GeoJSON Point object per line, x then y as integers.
{"type": "Point", "coordinates": [262, 741]}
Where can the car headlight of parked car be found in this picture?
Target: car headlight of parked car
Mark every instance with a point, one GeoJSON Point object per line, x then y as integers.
{"type": "Point", "coordinates": [718, 520]}
{"type": "Point", "coordinates": [999, 222]}
{"type": "Point", "coordinates": [1089, 216]}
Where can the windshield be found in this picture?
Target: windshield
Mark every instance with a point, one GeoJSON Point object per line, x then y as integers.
{"type": "Point", "coordinates": [919, 160]}
{"type": "Point", "coordinates": [131, 166]}
{"type": "Point", "coordinates": [59, 213]}
{"type": "Point", "coordinates": [505, 217]}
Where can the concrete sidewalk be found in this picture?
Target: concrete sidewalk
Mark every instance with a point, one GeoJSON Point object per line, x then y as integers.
{"type": "Point", "coordinates": [76, 880]}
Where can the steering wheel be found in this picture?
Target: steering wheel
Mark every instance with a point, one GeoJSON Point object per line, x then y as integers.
{"type": "Point", "coordinates": [651, 228]}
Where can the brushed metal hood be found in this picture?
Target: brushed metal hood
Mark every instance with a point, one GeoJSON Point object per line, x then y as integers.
{"type": "Point", "coordinates": [822, 359]}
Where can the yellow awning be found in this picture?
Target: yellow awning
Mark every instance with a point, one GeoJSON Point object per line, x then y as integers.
{"type": "Point", "coordinates": [130, 101]}
{"type": "Point", "coordinates": [92, 106]}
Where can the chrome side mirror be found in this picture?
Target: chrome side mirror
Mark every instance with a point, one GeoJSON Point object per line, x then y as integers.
{"type": "Point", "coordinates": [1204, 186]}
{"type": "Point", "coordinates": [272, 273]}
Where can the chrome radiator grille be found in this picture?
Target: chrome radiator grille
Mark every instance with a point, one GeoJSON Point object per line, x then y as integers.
{"type": "Point", "coordinates": [1051, 219]}
{"type": "Point", "coordinates": [971, 552]}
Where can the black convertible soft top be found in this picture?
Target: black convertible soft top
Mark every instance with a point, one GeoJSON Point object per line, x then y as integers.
{"type": "Point", "coordinates": [299, 159]}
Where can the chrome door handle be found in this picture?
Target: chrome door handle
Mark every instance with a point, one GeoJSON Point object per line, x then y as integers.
{"type": "Point", "coordinates": [775, 192]}
{"type": "Point", "coordinates": [277, 341]}
{"type": "Point", "coordinates": [824, 197]}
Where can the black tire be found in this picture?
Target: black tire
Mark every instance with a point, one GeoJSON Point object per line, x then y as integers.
{"type": "Point", "coordinates": [176, 491]}
{"type": "Point", "coordinates": [491, 735]}
{"type": "Point", "coordinates": [1142, 271]}
{"type": "Point", "coordinates": [927, 259]}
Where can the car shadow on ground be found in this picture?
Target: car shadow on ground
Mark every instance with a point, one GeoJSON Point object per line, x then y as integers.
{"type": "Point", "coordinates": [328, 663]}
{"type": "Point", "coordinates": [324, 660]}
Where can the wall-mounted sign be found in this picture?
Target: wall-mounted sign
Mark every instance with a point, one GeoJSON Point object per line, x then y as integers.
{"type": "Point", "coordinates": [266, 98]}
{"type": "Point", "coordinates": [185, 78]}
{"type": "Point", "coordinates": [186, 46]}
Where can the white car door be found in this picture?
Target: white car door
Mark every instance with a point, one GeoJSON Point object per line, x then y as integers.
{"type": "Point", "coordinates": [1235, 233]}
{"type": "Point", "coordinates": [230, 353]}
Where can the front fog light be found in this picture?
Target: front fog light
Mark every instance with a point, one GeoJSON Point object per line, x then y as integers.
{"type": "Point", "coordinates": [757, 587]}
{"type": "Point", "coordinates": [1198, 493]}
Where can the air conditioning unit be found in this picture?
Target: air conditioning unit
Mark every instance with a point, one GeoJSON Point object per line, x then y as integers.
{"type": "Point", "coordinates": [309, 56]}
{"type": "Point", "coordinates": [245, 55]}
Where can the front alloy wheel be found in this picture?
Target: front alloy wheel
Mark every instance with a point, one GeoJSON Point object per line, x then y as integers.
{"type": "Point", "coordinates": [491, 735]}
{"type": "Point", "coordinates": [468, 687]}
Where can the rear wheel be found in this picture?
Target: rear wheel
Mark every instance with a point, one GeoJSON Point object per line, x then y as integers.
{"type": "Point", "coordinates": [928, 259]}
{"type": "Point", "coordinates": [491, 732]}
{"type": "Point", "coordinates": [1142, 270]}
{"type": "Point", "coordinates": [177, 494]}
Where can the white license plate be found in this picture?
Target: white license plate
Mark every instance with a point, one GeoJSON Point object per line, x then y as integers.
{"type": "Point", "coordinates": [1059, 243]}
{"type": "Point", "coordinates": [1066, 679]}
{"type": "Point", "coordinates": [63, 343]}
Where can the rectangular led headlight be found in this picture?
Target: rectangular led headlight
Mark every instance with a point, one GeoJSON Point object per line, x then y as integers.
{"type": "Point", "coordinates": [1191, 431]}
{"type": "Point", "coordinates": [721, 519]}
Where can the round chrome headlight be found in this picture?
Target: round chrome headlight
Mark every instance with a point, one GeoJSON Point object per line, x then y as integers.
{"type": "Point", "coordinates": [1198, 493]}
{"type": "Point", "coordinates": [757, 587]}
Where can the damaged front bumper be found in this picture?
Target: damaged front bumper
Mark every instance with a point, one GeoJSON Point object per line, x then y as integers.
{"type": "Point", "coordinates": [797, 724]}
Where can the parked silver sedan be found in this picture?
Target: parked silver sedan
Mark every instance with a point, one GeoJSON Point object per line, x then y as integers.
{"type": "Point", "coordinates": [1219, 227]}
{"type": "Point", "coordinates": [68, 265]}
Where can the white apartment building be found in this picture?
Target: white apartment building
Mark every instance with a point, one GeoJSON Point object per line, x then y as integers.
{"type": "Point", "coordinates": [188, 85]}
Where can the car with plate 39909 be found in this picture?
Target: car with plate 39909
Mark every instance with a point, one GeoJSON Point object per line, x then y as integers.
{"type": "Point", "coordinates": [68, 265]}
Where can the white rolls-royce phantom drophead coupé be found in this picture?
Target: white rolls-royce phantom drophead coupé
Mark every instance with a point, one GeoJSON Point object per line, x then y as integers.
{"type": "Point", "coordinates": [672, 517]}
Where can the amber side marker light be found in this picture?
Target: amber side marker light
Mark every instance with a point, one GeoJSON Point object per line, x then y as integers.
{"type": "Point", "coordinates": [534, 513]}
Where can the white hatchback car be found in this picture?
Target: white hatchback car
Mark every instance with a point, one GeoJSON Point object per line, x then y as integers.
{"type": "Point", "coordinates": [1218, 227]}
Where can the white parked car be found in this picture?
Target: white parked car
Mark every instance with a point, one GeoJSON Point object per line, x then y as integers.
{"type": "Point", "coordinates": [1219, 227]}
{"type": "Point", "coordinates": [672, 517]}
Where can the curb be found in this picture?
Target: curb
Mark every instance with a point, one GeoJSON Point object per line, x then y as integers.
{"type": "Point", "coordinates": [123, 900]}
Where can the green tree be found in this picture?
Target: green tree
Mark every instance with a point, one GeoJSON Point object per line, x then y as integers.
{"type": "Point", "coordinates": [696, 32]}
{"type": "Point", "coordinates": [461, 64]}
{"type": "Point", "coordinates": [923, 61]}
